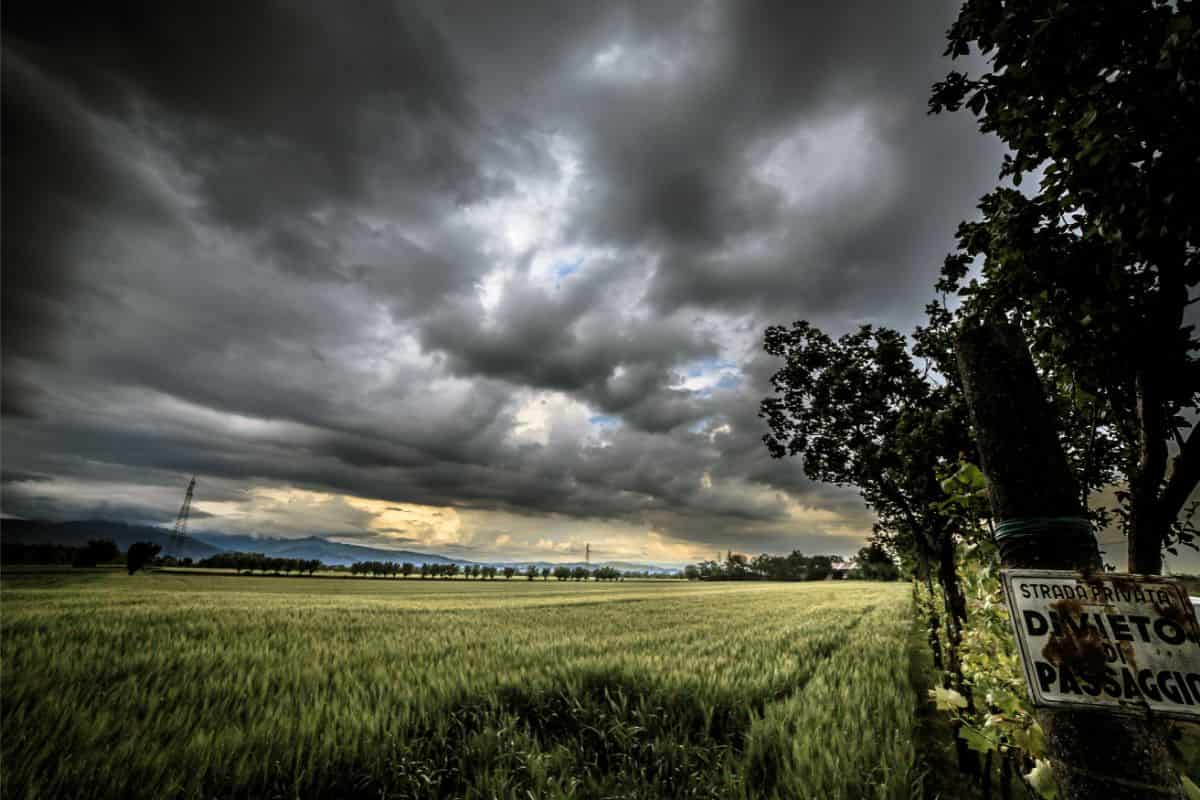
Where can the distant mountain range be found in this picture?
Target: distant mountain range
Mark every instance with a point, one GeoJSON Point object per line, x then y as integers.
{"type": "Point", "coordinates": [205, 544]}
{"type": "Point", "coordinates": [319, 548]}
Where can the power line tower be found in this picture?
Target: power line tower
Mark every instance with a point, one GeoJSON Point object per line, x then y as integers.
{"type": "Point", "coordinates": [179, 536]}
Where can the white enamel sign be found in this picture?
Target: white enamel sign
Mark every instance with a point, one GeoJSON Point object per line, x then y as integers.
{"type": "Point", "coordinates": [1108, 641]}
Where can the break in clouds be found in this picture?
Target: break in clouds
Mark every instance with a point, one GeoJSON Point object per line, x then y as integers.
{"type": "Point", "coordinates": [489, 282]}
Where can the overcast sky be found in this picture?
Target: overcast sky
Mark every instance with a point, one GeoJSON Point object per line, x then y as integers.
{"type": "Point", "coordinates": [476, 281]}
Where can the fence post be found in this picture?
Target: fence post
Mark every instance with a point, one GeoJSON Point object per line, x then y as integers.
{"type": "Point", "coordinates": [1094, 754]}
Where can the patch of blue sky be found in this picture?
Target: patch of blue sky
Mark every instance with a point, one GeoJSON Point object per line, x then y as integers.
{"type": "Point", "coordinates": [605, 421]}
{"type": "Point", "coordinates": [729, 380]}
{"type": "Point", "coordinates": [708, 365]}
{"type": "Point", "coordinates": [565, 270]}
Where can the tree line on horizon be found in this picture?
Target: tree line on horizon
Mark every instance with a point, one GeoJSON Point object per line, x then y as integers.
{"type": "Point", "coordinates": [406, 569]}
{"type": "Point", "coordinates": [96, 552]}
{"type": "Point", "coordinates": [871, 563]}
{"type": "Point", "coordinates": [257, 562]}
{"type": "Point", "coordinates": [99, 552]}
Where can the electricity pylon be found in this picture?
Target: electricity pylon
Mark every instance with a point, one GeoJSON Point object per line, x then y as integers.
{"type": "Point", "coordinates": [179, 535]}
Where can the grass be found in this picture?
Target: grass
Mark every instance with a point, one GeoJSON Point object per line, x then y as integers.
{"type": "Point", "coordinates": [199, 686]}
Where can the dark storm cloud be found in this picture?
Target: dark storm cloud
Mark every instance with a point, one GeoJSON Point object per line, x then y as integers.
{"type": "Point", "coordinates": [269, 98]}
{"type": "Point", "coordinates": [576, 340]}
{"type": "Point", "coordinates": [56, 180]}
{"type": "Point", "coordinates": [676, 166]}
{"type": "Point", "coordinates": [509, 261]}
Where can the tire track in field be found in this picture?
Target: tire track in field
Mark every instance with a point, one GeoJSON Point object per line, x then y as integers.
{"type": "Point", "coordinates": [824, 654]}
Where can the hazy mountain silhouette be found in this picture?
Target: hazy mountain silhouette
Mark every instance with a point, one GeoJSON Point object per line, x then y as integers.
{"type": "Point", "coordinates": [206, 543]}
{"type": "Point", "coordinates": [320, 548]}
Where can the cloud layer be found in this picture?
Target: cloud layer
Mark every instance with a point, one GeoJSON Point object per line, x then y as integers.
{"type": "Point", "coordinates": [506, 270]}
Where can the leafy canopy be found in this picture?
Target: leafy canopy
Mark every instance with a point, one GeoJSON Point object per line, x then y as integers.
{"type": "Point", "coordinates": [1100, 101]}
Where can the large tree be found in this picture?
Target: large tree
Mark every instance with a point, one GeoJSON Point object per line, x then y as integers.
{"type": "Point", "coordinates": [860, 413]}
{"type": "Point", "coordinates": [140, 554]}
{"type": "Point", "coordinates": [1101, 102]}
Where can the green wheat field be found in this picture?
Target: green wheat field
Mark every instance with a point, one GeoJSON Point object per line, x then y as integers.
{"type": "Point", "coordinates": [196, 686]}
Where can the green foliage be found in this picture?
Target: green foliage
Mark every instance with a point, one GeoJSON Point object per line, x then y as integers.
{"type": "Point", "coordinates": [839, 402]}
{"type": "Point", "coordinates": [793, 567]}
{"type": "Point", "coordinates": [966, 500]}
{"type": "Point", "coordinates": [97, 551]}
{"type": "Point", "coordinates": [1097, 263]}
{"type": "Point", "coordinates": [1004, 721]}
{"type": "Point", "coordinates": [1041, 780]}
{"type": "Point", "coordinates": [606, 574]}
{"type": "Point", "coordinates": [257, 562]}
{"type": "Point", "coordinates": [860, 413]}
{"type": "Point", "coordinates": [39, 553]}
{"type": "Point", "coordinates": [873, 563]}
{"type": "Point", "coordinates": [947, 699]}
{"type": "Point", "coordinates": [189, 686]}
{"type": "Point", "coordinates": [139, 555]}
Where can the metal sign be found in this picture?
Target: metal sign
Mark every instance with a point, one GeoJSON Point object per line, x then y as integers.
{"type": "Point", "coordinates": [1109, 641]}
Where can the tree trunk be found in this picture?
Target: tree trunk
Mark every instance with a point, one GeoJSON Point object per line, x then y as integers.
{"type": "Point", "coordinates": [1095, 754]}
{"type": "Point", "coordinates": [955, 605]}
{"type": "Point", "coordinates": [1153, 507]}
{"type": "Point", "coordinates": [935, 640]}
{"type": "Point", "coordinates": [1146, 530]}
{"type": "Point", "coordinates": [1144, 548]}
{"type": "Point", "coordinates": [923, 575]}
{"type": "Point", "coordinates": [955, 601]}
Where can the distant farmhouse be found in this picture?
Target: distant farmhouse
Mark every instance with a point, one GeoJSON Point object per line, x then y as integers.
{"type": "Point", "coordinates": [840, 570]}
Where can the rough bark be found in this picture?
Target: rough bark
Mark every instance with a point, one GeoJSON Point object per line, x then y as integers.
{"type": "Point", "coordinates": [955, 605]}
{"type": "Point", "coordinates": [924, 575]}
{"type": "Point", "coordinates": [935, 642]}
{"type": "Point", "coordinates": [1185, 474]}
{"type": "Point", "coordinates": [1154, 506]}
{"type": "Point", "coordinates": [1146, 529]}
{"type": "Point", "coordinates": [1095, 754]}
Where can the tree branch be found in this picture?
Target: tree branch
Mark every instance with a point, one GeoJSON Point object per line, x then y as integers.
{"type": "Point", "coordinates": [1152, 450]}
{"type": "Point", "coordinates": [893, 493]}
{"type": "Point", "coordinates": [1185, 474]}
